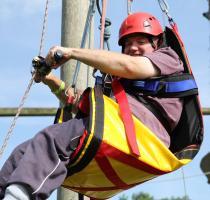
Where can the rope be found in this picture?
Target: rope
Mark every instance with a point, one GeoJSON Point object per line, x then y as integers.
{"type": "Point", "coordinates": [107, 33]}
{"type": "Point", "coordinates": [103, 16]}
{"type": "Point", "coordinates": [209, 44]}
{"type": "Point", "coordinates": [12, 126]}
{"type": "Point", "coordinates": [184, 183]}
{"type": "Point", "coordinates": [44, 28]}
{"type": "Point", "coordinates": [89, 46]}
{"type": "Point", "coordinates": [178, 179]}
{"type": "Point", "coordinates": [91, 11]}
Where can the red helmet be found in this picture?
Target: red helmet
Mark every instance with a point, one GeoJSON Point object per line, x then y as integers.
{"type": "Point", "coordinates": [139, 23]}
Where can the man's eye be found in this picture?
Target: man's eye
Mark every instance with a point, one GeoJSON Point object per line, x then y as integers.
{"type": "Point", "coordinates": [141, 42]}
{"type": "Point", "coordinates": [127, 43]}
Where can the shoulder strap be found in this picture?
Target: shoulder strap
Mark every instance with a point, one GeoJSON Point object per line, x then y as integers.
{"type": "Point", "coordinates": [125, 113]}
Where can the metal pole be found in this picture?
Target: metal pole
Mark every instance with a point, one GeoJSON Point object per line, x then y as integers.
{"type": "Point", "coordinates": [73, 21]}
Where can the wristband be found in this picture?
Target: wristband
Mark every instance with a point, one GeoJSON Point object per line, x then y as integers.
{"type": "Point", "coordinates": [60, 89]}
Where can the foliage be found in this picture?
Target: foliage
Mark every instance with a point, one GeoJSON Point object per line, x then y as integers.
{"type": "Point", "coordinates": [142, 196]}
{"type": "Point", "coordinates": [177, 198]}
{"type": "Point", "coordinates": [147, 196]}
{"type": "Point", "coordinates": [138, 196]}
{"type": "Point", "coordinates": [123, 197]}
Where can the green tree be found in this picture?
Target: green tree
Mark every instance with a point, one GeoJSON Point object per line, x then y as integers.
{"type": "Point", "coordinates": [176, 198]}
{"type": "Point", "coordinates": [147, 196]}
{"type": "Point", "coordinates": [123, 197]}
{"type": "Point", "coordinates": [142, 196]}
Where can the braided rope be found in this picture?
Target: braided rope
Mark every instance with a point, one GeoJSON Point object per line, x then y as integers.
{"type": "Point", "coordinates": [12, 126]}
{"type": "Point", "coordinates": [184, 182]}
{"type": "Point", "coordinates": [44, 28]}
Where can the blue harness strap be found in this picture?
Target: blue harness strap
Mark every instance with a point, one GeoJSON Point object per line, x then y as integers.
{"type": "Point", "coordinates": [174, 86]}
{"type": "Point", "coordinates": [169, 87]}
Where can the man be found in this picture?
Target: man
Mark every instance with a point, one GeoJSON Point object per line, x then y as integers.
{"type": "Point", "coordinates": [37, 167]}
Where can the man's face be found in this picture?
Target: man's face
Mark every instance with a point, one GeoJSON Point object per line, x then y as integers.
{"type": "Point", "coordinates": [137, 45]}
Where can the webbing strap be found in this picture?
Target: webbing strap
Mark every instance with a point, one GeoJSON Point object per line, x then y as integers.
{"type": "Point", "coordinates": [109, 172]}
{"type": "Point", "coordinates": [125, 113]}
{"type": "Point", "coordinates": [169, 87]}
{"type": "Point", "coordinates": [175, 86]}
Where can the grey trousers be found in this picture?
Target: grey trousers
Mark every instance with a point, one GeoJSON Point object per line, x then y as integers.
{"type": "Point", "coordinates": [40, 163]}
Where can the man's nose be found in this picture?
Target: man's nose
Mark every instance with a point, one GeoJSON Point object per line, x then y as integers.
{"type": "Point", "coordinates": [134, 46]}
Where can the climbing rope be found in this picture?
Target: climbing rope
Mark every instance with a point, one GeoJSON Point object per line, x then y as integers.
{"type": "Point", "coordinates": [184, 182]}
{"type": "Point", "coordinates": [129, 6]}
{"type": "Point", "coordinates": [89, 46]}
{"type": "Point", "coordinates": [209, 46]}
{"type": "Point", "coordinates": [44, 28]}
{"type": "Point", "coordinates": [177, 179]}
{"type": "Point", "coordinates": [12, 126]}
{"type": "Point", "coordinates": [105, 33]}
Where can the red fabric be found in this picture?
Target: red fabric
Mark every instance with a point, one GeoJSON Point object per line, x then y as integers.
{"type": "Point", "coordinates": [125, 113]}
{"type": "Point", "coordinates": [81, 141]}
{"type": "Point", "coordinates": [109, 172]}
{"type": "Point", "coordinates": [118, 155]}
{"type": "Point", "coordinates": [175, 29]}
{"type": "Point", "coordinates": [84, 102]}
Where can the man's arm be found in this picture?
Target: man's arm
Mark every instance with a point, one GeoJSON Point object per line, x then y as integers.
{"type": "Point", "coordinates": [125, 66]}
{"type": "Point", "coordinates": [54, 84]}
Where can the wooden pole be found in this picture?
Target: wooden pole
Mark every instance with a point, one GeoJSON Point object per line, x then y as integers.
{"type": "Point", "coordinates": [74, 15]}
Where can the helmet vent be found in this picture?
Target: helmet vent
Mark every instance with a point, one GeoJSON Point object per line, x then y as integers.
{"type": "Point", "coordinates": [146, 24]}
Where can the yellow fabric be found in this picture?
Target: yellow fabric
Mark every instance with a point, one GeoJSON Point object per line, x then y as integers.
{"type": "Point", "coordinates": [152, 152]}
{"type": "Point", "coordinates": [60, 119]}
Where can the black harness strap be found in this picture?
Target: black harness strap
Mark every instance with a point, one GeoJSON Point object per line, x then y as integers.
{"type": "Point", "coordinates": [157, 113]}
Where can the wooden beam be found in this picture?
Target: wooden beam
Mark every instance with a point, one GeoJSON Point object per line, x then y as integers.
{"type": "Point", "coordinates": [33, 112]}
{"type": "Point", "coordinates": [27, 112]}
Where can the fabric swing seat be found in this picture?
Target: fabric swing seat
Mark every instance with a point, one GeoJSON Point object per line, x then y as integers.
{"type": "Point", "coordinates": [104, 164]}
{"type": "Point", "coordinates": [113, 167]}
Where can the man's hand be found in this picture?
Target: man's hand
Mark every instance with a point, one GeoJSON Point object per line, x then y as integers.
{"type": "Point", "coordinates": [45, 79]}
{"type": "Point", "coordinates": [51, 60]}
{"type": "Point", "coordinates": [37, 77]}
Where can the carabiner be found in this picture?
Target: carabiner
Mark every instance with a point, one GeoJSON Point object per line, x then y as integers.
{"type": "Point", "coordinates": [165, 9]}
{"type": "Point", "coordinates": [129, 6]}
{"type": "Point", "coordinates": [164, 6]}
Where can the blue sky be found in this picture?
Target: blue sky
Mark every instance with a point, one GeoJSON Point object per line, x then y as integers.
{"type": "Point", "coordinates": [21, 24]}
